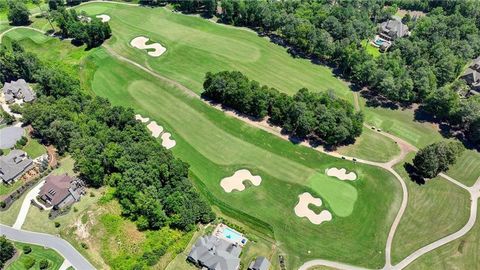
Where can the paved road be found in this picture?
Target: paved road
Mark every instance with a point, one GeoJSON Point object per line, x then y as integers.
{"type": "Point", "coordinates": [61, 246]}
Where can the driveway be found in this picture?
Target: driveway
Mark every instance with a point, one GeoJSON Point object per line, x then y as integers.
{"type": "Point", "coordinates": [31, 195]}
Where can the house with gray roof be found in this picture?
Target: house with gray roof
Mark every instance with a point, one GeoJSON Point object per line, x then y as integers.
{"type": "Point", "coordinates": [261, 263]}
{"type": "Point", "coordinates": [61, 190]}
{"type": "Point", "coordinates": [213, 253]}
{"type": "Point", "coordinates": [392, 29]}
{"type": "Point", "coordinates": [18, 90]}
{"type": "Point", "coordinates": [14, 165]}
{"type": "Point", "coordinates": [472, 77]}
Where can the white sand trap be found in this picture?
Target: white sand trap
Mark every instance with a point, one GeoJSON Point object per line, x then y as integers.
{"type": "Point", "coordinates": [103, 17]}
{"type": "Point", "coordinates": [341, 174]}
{"type": "Point", "coordinates": [236, 180]}
{"type": "Point", "coordinates": [142, 119]}
{"type": "Point", "coordinates": [302, 210]}
{"type": "Point", "coordinates": [141, 43]}
{"type": "Point", "coordinates": [167, 142]}
{"type": "Point", "coordinates": [155, 129]}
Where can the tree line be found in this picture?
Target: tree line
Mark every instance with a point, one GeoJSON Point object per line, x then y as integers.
{"type": "Point", "coordinates": [109, 146]}
{"type": "Point", "coordinates": [317, 116]}
{"type": "Point", "coordinates": [82, 29]}
{"type": "Point", "coordinates": [416, 69]}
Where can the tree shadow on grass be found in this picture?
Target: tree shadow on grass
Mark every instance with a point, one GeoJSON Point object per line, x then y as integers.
{"type": "Point", "coordinates": [413, 174]}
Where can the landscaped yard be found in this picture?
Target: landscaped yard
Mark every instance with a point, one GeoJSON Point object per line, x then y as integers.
{"type": "Point", "coordinates": [38, 253]}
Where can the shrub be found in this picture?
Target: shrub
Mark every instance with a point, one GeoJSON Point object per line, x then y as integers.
{"type": "Point", "coordinates": [57, 224]}
{"type": "Point", "coordinates": [75, 209]}
{"type": "Point", "coordinates": [43, 264]}
{"type": "Point", "coordinates": [84, 245]}
{"type": "Point", "coordinates": [29, 262]}
{"type": "Point", "coordinates": [3, 204]}
{"type": "Point", "coordinates": [26, 249]}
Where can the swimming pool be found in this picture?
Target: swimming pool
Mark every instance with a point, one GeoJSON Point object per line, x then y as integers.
{"type": "Point", "coordinates": [231, 235]}
{"type": "Point", "coordinates": [379, 42]}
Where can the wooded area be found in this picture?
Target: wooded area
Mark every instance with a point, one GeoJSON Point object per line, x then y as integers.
{"type": "Point", "coordinates": [109, 146]}
{"type": "Point", "coordinates": [318, 116]}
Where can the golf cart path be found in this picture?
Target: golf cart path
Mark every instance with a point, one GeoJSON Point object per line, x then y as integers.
{"type": "Point", "coordinates": [19, 27]}
{"type": "Point", "coordinates": [405, 148]}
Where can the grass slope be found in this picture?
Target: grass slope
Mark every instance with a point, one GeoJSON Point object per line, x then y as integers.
{"type": "Point", "coordinates": [195, 46]}
{"type": "Point", "coordinates": [434, 210]}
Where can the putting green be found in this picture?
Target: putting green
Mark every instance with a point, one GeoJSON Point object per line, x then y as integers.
{"type": "Point", "coordinates": [339, 195]}
{"type": "Point", "coordinates": [216, 145]}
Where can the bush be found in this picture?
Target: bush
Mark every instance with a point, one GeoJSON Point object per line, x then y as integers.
{"type": "Point", "coordinates": [26, 249]}
{"type": "Point", "coordinates": [57, 224]}
{"type": "Point", "coordinates": [84, 245]}
{"type": "Point", "coordinates": [15, 108]}
{"type": "Point", "coordinates": [29, 262]}
{"type": "Point", "coordinates": [43, 264]}
{"type": "Point", "coordinates": [3, 204]}
{"type": "Point", "coordinates": [75, 209]}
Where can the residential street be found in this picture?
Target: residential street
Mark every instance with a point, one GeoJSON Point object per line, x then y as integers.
{"type": "Point", "coordinates": [58, 244]}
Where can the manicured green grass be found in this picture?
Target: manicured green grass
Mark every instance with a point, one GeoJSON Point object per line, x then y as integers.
{"type": "Point", "coordinates": [6, 189]}
{"type": "Point", "coordinates": [216, 145]}
{"type": "Point", "coordinates": [467, 168]}
{"type": "Point", "coordinates": [66, 166]}
{"type": "Point", "coordinates": [434, 210]}
{"type": "Point", "coordinates": [9, 216]}
{"type": "Point", "coordinates": [339, 195]}
{"type": "Point", "coordinates": [459, 254]}
{"type": "Point", "coordinates": [38, 253]}
{"type": "Point", "coordinates": [371, 146]}
{"type": "Point", "coordinates": [34, 148]}
{"type": "Point", "coordinates": [196, 46]}
{"type": "Point", "coordinates": [402, 124]}
{"type": "Point", "coordinates": [370, 48]}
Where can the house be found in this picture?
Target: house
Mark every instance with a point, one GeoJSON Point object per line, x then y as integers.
{"type": "Point", "coordinates": [472, 77]}
{"type": "Point", "coordinates": [18, 90]}
{"type": "Point", "coordinates": [213, 253]}
{"type": "Point", "coordinates": [392, 29]}
{"type": "Point", "coordinates": [61, 190]}
{"type": "Point", "coordinates": [14, 165]}
{"type": "Point", "coordinates": [261, 263]}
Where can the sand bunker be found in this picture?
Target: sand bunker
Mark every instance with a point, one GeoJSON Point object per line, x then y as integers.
{"type": "Point", "coordinates": [155, 129]}
{"type": "Point", "coordinates": [167, 142]}
{"type": "Point", "coordinates": [302, 210]}
{"type": "Point", "coordinates": [341, 174]}
{"type": "Point", "coordinates": [141, 43]}
{"type": "Point", "coordinates": [142, 119]}
{"type": "Point", "coordinates": [236, 180]}
{"type": "Point", "coordinates": [103, 17]}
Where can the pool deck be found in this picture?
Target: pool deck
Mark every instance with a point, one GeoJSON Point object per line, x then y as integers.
{"type": "Point", "coordinates": [219, 232]}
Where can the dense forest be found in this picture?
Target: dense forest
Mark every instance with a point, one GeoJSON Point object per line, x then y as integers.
{"type": "Point", "coordinates": [318, 116]}
{"type": "Point", "coordinates": [108, 145]}
{"type": "Point", "coordinates": [421, 68]}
